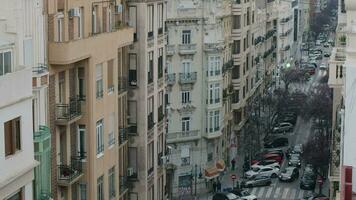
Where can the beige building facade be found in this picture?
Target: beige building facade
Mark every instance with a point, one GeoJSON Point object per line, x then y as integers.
{"type": "Point", "coordinates": [87, 41]}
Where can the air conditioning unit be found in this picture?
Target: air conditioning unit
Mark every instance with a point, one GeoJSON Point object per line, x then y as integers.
{"type": "Point", "coordinates": [74, 12]}
{"type": "Point", "coordinates": [130, 171]}
{"type": "Point", "coordinates": [118, 8]}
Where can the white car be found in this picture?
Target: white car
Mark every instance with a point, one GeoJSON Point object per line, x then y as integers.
{"type": "Point", "coordinates": [262, 171]}
{"type": "Point", "coordinates": [267, 163]}
{"type": "Point", "coordinates": [245, 195]}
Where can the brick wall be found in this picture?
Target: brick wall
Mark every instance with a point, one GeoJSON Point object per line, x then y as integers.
{"type": "Point", "coordinates": [52, 117]}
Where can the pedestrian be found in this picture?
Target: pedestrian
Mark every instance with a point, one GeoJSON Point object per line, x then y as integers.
{"type": "Point", "coordinates": [233, 162]}
{"type": "Point", "coordinates": [218, 186]}
{"type": "Point", "coordinates": [214, 186]}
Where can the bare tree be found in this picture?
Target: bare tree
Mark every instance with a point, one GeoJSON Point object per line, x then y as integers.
{"type": "Point", "coordinates": [292, 75]}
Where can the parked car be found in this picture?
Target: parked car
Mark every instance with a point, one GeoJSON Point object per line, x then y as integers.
{"type": "Point", "coordinates": [258, 181]}
{"type": "Point", "coordinates": [225, 196]}
{"type": "Point", "coordinates": [326, 45]}
{"type": "Point", "coordinates": [298, 148]}
{"type": "Point", "coordinates": [244, 194]}
{"type": "Point", "coordinates": [267, 163]}
{"type": "Point", "coordinates": [311, 70]}
{"type": "Point", "coordinates": [289, 174]}
{"type": "Point", "coordinates": [262, 171]}
{"type": "Point", "coordinates": [294, 160]}
{"type": "Point", "coordinates": [283, 127]}
{"type": "Point", "coordinates": [308, 179]}
{"type": "Point", "coordinates": [323, 66]}
{"type": "Point", "coordinates": [326, 55]}
{"type": "Point", "coordinates": [277, 142]}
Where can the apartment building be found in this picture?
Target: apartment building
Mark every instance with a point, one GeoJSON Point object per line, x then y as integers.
{"type": "Point", "coordinates": [348, 163]}
{"type": "Point", "coordinates": [146, 100]}
{"type": "Point", "coordinates": [199, 89]}
{"type": "Point", "coordinates": [16, 128]}
{"type": "Point", "coordinates": [337, 72]}
{"type": "Point", "coordinates": [87, 43]}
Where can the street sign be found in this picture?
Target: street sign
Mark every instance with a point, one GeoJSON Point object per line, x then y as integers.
{"type": "Point", "coordinates": [233, 176]}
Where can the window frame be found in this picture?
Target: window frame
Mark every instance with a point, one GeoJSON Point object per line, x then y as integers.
{"type": "Point", "coordinates": [99, 137]}
{"type": "Point", "coordinates": [186, 36]}
{"type": "Point", "coordinates": [2, 61]}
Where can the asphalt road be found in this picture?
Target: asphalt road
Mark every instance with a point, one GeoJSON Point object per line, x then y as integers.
{"type": "Point", "coordinates": [300, 135]}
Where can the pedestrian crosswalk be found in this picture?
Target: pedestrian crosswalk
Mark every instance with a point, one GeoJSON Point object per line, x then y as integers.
{"type": "Point", "coordinates": [285, 193]}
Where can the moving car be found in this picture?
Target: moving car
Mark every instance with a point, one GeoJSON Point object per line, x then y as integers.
{"type": "Point", "coordinates": [258, 181]}
{"type": "Point", "coordinates": [277, 142]}
{"type": "Point", "coordinates": [262, 171]}
{"type": "Point", "coordinates": [308, 179]}
{"type": "Point", "coordinates": [294, 160]}
{"type": "Point", "coordinates": [289, 174]}
{"type": "Point", "coordinates": [225, 196]}
{"type": "Point", "coordinates": [298, 148]}
{"type": "Point", "coordinates": [244, 194]}
{"type": "Point", "coordinates": [283, 127]}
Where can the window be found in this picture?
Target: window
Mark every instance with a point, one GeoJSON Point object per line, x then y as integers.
{"type": "Point", "coordinates": [150, 157]}
{"type": "Point", "coordinates": [99, 81]}
{"type": "Point", "coordinates": [150, 112]}
{"type": "Point", "coordinates": [111, 127]}
{"type": "Point", "coordinates": [236, 96]}
{"type": "Point", "coordinates": [186, 97]}
{"type": "Point", "coordinates": [243, 92]}
{"type": "Point", "coordinates": [236, 72]}
{"type": "Point", "coordinates": [99, 137]}
{"type": "Point", "coordinates": [214, 121]}
{"type": "Point", "coordinates": [110, 75]}
{"type": "Point", "coordinates": [247, 61]}
{"type": "Point", "coordinates": [81, 83]}
{"type": "Point", "coordinates": [133, 19]}
{"type": "Point", "coordinates": [185, 124]}
{"type": "Point", "coordinates": [61, 87]}
{"type": "Point", "coordinates": [5, 62]}
{"type": "Point", "coordinates": [81, 141]}
{"type": "Point", "coordinates": [253, 17]}
{"type": "Point", "coordinates": [214, 65]}
{"type": "Point", "coordinates": [95, 25]}
{"type": "Point", "coordinates": [214, 93]}
{"type": "Point", "coordinates": [246, 81]}
{"type": "Point", "coordinates": [160, 62]}
{"type": "Point", "coordinates": [83, 191]}
{"type": "Point", "coordinates": [100, 188]}
{"type": "Point", "coordinates": [236, 21]}
{"type": "Point", "coordinates": [186, 36]}
{"type": "Point", "coordinates": [245, 44]}
{"type": "Point", "coordinates": [160, 18]}
{"type": "Point", "coordinates": [236, 47]}
{"type": "Point", "coordinates": [12, 131]}
{"type": "Point", "coordinates": [17, 196]}
{"type": "Point", "coordinates": [111, 174]}
{"type": "Point", "coordinates": [132, 69]}
{"type": "Point", "coordinates": [150, 67]}
{"type": "Point", "coordinates": [160, 106]}
{"type": "Point", "coordinates": [186, 67]}
{"type": "Point", "coordinates": [150, 20]}
{"type": "Point", "coordinates": [185, 155]}
{"type": "Point", "coordinates": [248, 16]}
{"type": "Point", "coordinates": [58, 37]}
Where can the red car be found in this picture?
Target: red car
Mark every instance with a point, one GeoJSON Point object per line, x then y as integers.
{"type": "Point", "coordinates": [268, 156]}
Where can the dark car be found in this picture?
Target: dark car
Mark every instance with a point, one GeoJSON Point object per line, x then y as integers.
{"type": "Point", "coordinates": [308, 180]}
{"type": "Point", "coordinates": [326, 55]}
{"type": "Point", "coordinates": [225, 196]}
{"type": "Point", "coordinates": [277, 142]}
{"type": "Point", "coordinates": [257, 181]}
{"type": "Point", "coordinates": [289, 174]}
{"type": "Point", "coordinates": [294, 160]}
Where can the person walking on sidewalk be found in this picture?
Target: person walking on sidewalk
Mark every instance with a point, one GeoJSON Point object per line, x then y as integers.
{"type": "Point", "coordinates": [214, 186]}
{"type": "Point", "coordinates": [233, 162]}
{"type": "Point", "coordinates": [218, 186]}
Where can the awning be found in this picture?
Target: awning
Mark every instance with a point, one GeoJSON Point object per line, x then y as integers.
{"type": "Point", "coordinates": [211, 173]}
{"type": "Point", "coordinates": [220, 165]}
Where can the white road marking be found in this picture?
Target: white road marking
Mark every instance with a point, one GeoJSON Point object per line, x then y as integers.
{"type": "Point", "coordinates": [276, 193]}
{"type": "Point", "coordinates": [260, 193]}
{"type": "Point", "coordinates": [292, 194]}
{"type": "Point", "coordinates": [301, 194]}
{"type": "Point", "coordinates": [254, 190]}
{"type": "Point", "coordinates": [285, 193]}
{"type": "Point", "coordinates": [269, 192]}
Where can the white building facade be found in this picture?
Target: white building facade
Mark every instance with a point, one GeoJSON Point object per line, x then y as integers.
{"type": "Point", "coordinates": [16, 128]}
{"type": "Point", "coordinates": [198, 93]}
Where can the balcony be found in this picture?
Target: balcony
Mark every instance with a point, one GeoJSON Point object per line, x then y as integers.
{"type": "Point", "coordinates": [123, 185]}
{"type": "Point", "coordinates": [40, 75]}
{"type": "Point", "coordinates": [68, 113]}
{"type": "Point", "coordinates": [187, 78]}
{"type": "Point", "coordinates": [183, 136]}
{"type": "Point", "coordinates": [122, 135]}
{"type": "Point", "coordinates": [122, 84]}
{"type": "Point", "coordinates": [170, 79]}
{"type": "Point", "coordinates": [132, 128]}
{"type": "Point", "coordinates": [69, 174]}
{"type": "Point", "coordinates": [150, 122]}
{"type": "Point", "coordinates": [170, 50]}
{"type": "Point", "coordinates": [63, 53]}
{"type": "Point", "coordinates": [185, 49]}
{"type": "Point", "coordinates": [212, 134]}
{"type": "Point", "coordinates": [160, 113]}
